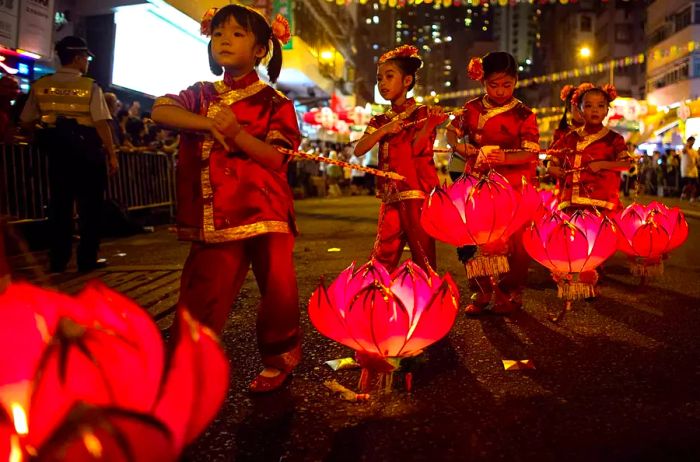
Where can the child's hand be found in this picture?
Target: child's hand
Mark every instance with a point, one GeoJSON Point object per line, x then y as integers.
{"type": "Point", "coordinates": [466, 149]}
{"type": "Point", "coordinates": [226, 123]}
{"type": "Point", "coordinates": [556, 172]}
{"type": "Point", "coordinates": [496, 156]}
{"type": "Point", "coordinates": [436, 116]}
{"type": "Point", "coordinates": [218, 136]}
{"type": "Point", "coordinates": [595, 167]}
{"type": "Point", "coordinates": [392, 127]}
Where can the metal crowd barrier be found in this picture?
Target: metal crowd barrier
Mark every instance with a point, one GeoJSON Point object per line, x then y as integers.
{"type": "Point", "coordinates": [145, 180]}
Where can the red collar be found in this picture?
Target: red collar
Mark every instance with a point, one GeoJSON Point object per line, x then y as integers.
{"type": "Point", "coordinates": [246, 80]}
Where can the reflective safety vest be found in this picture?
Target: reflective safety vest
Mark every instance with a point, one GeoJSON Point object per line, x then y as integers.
{"type": "Point", "coordinates": [69, 99]}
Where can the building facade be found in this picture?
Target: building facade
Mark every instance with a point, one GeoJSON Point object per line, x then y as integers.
{"type": "Point", "coordinates": [673, 65]}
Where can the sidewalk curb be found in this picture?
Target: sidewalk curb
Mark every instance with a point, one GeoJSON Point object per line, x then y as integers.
{"type": "Point", "coordinates": [691, 213]}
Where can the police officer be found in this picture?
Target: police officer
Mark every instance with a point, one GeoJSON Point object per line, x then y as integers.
{"type": "Point", "coordinates": [74, 131]}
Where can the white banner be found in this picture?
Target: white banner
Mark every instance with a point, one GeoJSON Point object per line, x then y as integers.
{"type": "Point", "coordinates": [8, 23]}
{"type": "Point", "coordinates": [36, 18]}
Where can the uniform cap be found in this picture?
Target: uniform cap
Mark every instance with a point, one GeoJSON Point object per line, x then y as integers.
{"type": "Point", "coordinates": [73, 43]}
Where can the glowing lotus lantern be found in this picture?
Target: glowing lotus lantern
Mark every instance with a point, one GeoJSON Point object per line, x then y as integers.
{"type": "Point", "coordinates": [480, 211]}
{"type": "Point", "coordinates": [384, 317]}
{"type": "Point", "coordinates": [571, 247]}
{"type": "Point", "coordinates": [647, 234]}
{"type": "Point", "coordinates": [87, 375]}
{"type": "Point", "coordinates": [550, 203]}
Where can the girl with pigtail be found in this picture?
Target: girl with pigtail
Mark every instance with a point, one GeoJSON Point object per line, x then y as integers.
{"type": "Point", "coordinates": [590, 158]}
{"type": "Point", "coordinates": [491, 124]}
{"type": "Point", "coordinates": [234, 203]}
{"type": "Point", "coordinates": [566, 125]}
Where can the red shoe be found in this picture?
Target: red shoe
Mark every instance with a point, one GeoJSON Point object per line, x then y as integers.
{"type": "Point", "coordinates": [263, 384]}
{"type": "Point", "coordinates": [473, 309]}
{"type": "Point", "coordinates": [479, 303]}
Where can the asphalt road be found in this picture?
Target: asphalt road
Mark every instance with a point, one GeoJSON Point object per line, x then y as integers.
{"type": "Point", "coordinates": [617, 380]}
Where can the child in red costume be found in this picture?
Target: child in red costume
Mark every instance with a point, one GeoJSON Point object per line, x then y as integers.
{"type": "Point", "coordinates": [405, 135]}
{"type": "Point", "coordinates": [565, 125]}
{"type": "Point", "coordinates": [498, 119]}
{"type": "Point", "coordinates": [591, 157]}
{"type": "Point", "coordinates": [233, 199]}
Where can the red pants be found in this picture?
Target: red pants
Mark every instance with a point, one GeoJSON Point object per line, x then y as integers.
{"type": "Point", "coordinates": [399, 223]}
{"type": "Point", "coordinates": [512, 282]}
{"type": "Point", "coordinates": [213, 276]}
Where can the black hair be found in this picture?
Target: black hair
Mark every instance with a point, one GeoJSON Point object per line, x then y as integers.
{"type": "Point", "coordinates": [593, 90]}
{"type": "Point", "coordinates": [689, 139]}
{"type": "Point", "coordinates": [408, 66]}
{"type": "Point", "coordinates": [67, 56]}
{"type": "Point", "coordinates": [134, 126]}
{"type": "Point", "coordinates": [564, 122]}
{"type": "Point", "coordinates": [499, 62]}
{"type": "Point", "coordinates": [256, 23]}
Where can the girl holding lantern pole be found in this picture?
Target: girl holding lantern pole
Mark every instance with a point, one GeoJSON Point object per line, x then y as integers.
{"type": "Point", "coordinates": [501, 134]}
{"type": "Point", "coordinates": [405, 135]}
{"type": "Point", "coordinates": [234, 203]}
{"type": "Point", "coordinates": [589, 159]}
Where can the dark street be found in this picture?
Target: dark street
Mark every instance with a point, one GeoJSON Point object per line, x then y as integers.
{"type": "Point", "coordinates": [617, 379]}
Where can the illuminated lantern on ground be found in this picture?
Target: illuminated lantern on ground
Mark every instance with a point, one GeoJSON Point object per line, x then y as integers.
{"type": "Point", "coordinates": [571, 247]}
{"type": "Point", "coordinates": [648, 233]}
{"type": "Point", "coordinates": [72, 366]}
{"type": "Point", "coordinates": [384, 317]}
{"type": "Point", "coordinates": [480, 211]}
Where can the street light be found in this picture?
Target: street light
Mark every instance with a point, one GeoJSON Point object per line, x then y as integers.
{"type": "Point", "coordinates": [585, 52]}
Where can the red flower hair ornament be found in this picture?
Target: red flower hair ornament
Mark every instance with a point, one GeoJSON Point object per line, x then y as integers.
{"type": "Point", "coordinates": [280, 29]}
{"type": "Point", "coordinates": [475, 69]}
{"type": "Point", "coordinates": [580, 90]}
{"type": "Point", "coordinates": [205, 25]}
{"type": "Point", "coordinates": [608, 89]}
{"type": "Point", "coordinates": [404, 51]}
{"type": "Point", "coordinates": [566, 92]}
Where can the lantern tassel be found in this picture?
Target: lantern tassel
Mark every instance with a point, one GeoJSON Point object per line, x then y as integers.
{"type": "Point", "coordinates": [575, 290]}
{"type": "Point", "coordinates": [376, 382]}
{"type": "Point", "coordinates": [486, 265]}
{"type": "Point", "coordinates": [642, 270]}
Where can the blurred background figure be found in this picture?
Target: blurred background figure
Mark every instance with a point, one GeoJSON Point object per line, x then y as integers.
{"type": "Point", "coordinates": [689, 171]}
{"type": "Point", "coordinates": [114, 105]}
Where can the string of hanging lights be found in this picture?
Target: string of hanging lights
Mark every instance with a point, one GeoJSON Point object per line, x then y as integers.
{"type": "Point", "coordinates": [449, 3]}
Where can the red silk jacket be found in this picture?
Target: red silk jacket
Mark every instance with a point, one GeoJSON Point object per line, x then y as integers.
{"type": "Point", "coordinates": [511, 126]}
{"type": "Point", "coordinates": [226, 196]}
{"type": "Point", "coordinates": [396, 154]}
{"type": "Point", "coordinates": [581, 186]}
